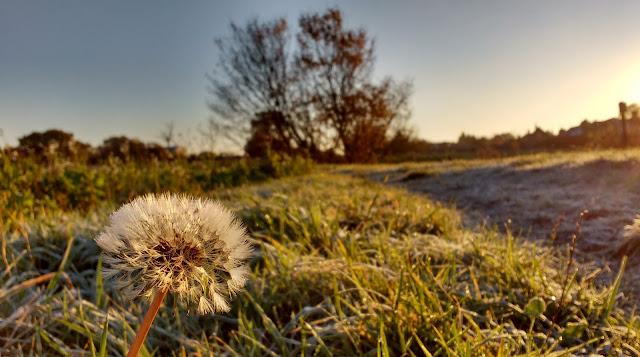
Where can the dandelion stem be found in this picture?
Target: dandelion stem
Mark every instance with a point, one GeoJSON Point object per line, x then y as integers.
{"type": "Point", "coordinates": [146, 324]}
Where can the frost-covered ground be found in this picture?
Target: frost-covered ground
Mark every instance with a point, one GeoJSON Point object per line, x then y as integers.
{"type": "Point", "coordinates": [532, 194]}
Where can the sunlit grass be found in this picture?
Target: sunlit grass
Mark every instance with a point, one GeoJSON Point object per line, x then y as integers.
{"type": "Point", "coordinates": [343, 267]}
{"type": "Point", "coordinates": [522, 162]}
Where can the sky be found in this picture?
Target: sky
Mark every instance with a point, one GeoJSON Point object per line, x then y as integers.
{"type": "Point", "coordinates": [100, 69]}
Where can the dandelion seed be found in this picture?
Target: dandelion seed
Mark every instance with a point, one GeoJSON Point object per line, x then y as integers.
{"type": "Point", "coordinates": [192, 248]}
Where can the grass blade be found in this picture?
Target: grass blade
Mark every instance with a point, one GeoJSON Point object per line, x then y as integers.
{"type": "Point", "coordinates": [616, 286]}
{"type": "Point", "coordinates": [103, 339]}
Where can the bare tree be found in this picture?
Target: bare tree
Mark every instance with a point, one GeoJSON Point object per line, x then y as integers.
{"type": "Point", "coordinates": [254, 77]}
{"type": "Point", "coordinates": [4, 140]}
{"type": "Point", "coordinates": [168, 134]}
{"type": "Point", "coordinates": [319, 98]}
{"type": "Point", "coordinates": [209, 133]}
{"type": "Point", "coordinates": [339, 64]}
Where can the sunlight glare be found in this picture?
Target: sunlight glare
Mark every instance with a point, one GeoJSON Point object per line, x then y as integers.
{"type": "Point", "coordinates": [633, 95]}
{"type": "Point", "coordinates": [635, 92]}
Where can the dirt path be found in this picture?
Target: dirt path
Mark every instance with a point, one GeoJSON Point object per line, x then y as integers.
{"type": "Point", "coordinates": [534, 193]}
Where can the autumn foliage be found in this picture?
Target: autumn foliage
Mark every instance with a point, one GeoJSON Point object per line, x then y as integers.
{"type": "Point", "coordinates": [314, 97]}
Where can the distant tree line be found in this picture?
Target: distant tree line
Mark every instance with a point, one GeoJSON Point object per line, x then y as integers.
{"type": "Point", "coordinates": [623, 131]}
{"type": "Point", "coordinates": [314, 96]}
{"type": "Point", "coordinates": [56, 145]}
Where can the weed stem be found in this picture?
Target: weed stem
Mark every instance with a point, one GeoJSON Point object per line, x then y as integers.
{"type": "Point", "coordinates": [146, 324]}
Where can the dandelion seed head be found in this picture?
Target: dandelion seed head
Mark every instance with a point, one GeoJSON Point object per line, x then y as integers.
{"type": "Point", "coordinates": [195, 248]}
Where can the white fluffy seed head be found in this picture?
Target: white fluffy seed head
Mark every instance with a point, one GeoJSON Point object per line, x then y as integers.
{"type": "Point", "coordinates": [193, 247]}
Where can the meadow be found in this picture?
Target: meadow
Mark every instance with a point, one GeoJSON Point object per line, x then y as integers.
{"type": "Point", "coordinates": [343, 265]}
{"type": "Point", "coordinates": [538, 195]}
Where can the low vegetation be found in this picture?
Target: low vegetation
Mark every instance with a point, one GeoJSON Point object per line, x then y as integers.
{"type": "Point", "coordinates": [30, 189]}
{"type": "Point", "coordinates": [343, 266]}
{"type": "Point", "coordinates": [539, 193]}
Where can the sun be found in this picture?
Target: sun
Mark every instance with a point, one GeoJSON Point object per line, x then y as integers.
{"type": "Point", "coordinates": [634, 85]}
{"type": "Point", "coordinates": [635, 93]}
{"type": "Point", "coordinates": [627, 84]}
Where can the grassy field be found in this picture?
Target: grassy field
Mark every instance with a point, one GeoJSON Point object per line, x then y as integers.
{"type": "Point", "coordinates": [343, 266]}
{"type": "Point", "coordinates": [538, 194]}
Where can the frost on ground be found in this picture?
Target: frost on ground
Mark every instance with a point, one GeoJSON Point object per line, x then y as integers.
{"type": "Point", "coordinates": [535, 193]}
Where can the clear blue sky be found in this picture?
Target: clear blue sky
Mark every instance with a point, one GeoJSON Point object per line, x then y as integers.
{"type": "Point", "coordinates": [99, 69]}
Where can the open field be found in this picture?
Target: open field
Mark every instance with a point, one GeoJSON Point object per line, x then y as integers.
{"type": "Point", "coordinates": [343, 266]}
{"type": "Point", "coordinates": [539, 196]}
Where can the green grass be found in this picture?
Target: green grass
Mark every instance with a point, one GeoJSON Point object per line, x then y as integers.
{"type": "Point", "coordinates": [343, 266]}
{"type": "Point", "coordinates": [29, 190]}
